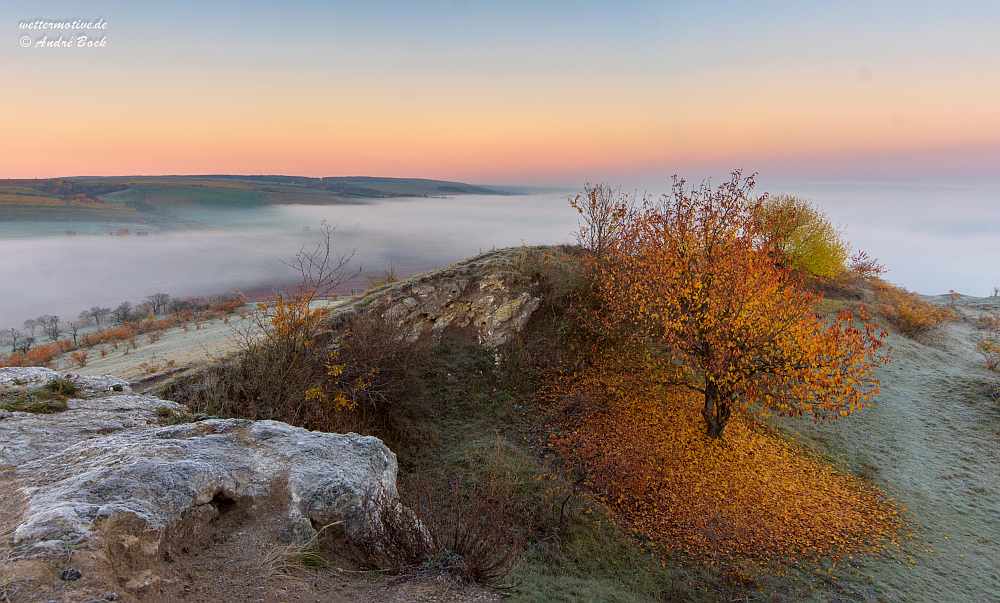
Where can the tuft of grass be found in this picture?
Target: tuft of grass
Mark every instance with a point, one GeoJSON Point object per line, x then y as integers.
{"type": "Point", "coordinates": [48, 399]}
{"type": "Point", "coordinates": [285, 559]}
{"type": "Point", "coordinates": [62, 387]}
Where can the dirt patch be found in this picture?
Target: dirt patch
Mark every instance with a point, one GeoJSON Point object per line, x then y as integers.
{"type": "Point", "coordinates": [236, 557]}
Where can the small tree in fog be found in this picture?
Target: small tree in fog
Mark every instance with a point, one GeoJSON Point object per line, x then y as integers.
{"type": "Point", "coordinates": [74, 328]}
{"type": "Point", "coordinates": [50, 326]}
{"type": "Point", "coordinates": [20, 343]}
{"type": "Point", "coordinates": [84, 317]}
{"type": "Point", "coordinates": [159, 302]}
{"type": "Point", "coordinates": [322, 270]}
{"type": "Point", "coordinates": [31, 324]}
{"type": "Point", "coordinates": [99, 314]}
{"type": "Point", "coordinates": [178, 305]}
{"type": "Point", "coordinates": [123, 313]}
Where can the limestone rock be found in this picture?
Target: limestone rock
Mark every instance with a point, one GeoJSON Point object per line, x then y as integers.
{"type": "Point", "coordinates": [103, 472]}
{"type": "Point", "coordinates": [13, 378]}
{"type": "Point", "coordinates": [482, 296]}
{"type": "Point", "coordinates": [26, 436]}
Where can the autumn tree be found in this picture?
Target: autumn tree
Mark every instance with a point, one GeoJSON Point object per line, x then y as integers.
{"type": "Point", "coordinates": [804, 235]}
{"type": "Point", "coordinates": [694, 276]}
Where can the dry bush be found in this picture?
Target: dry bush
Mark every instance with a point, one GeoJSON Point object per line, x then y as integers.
{"type": "Point", "coordinates": [278, 363]}
{"type": "Point", "coordinates": [41, 355]}
{"type": "Point", "coordinates": [989, 349]}
{"type": "Point", "coordinates": [292, 367]}
{"type": "Point", "coordinates": [603, 210]}
{"type": "Point", "coordinates": [471, 528]}
{"type": "Point", "coordinates": [80, 358]}
{"type": "Point", "coordinates": [388, 276]}
{"type": "Point", "coordinates": [288, 368]}
{"type": "Point", "coordinates": [906, 310]}
{"type": "Point", "coordinates": [112, 335]}
{"type": "Point", "coordinates": [989, 345]}
{"type": "Point", "coordinates": [371, 361]}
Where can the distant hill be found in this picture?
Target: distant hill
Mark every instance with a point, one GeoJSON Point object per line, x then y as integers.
{"type": "Point", "coordinates": [163, 200]}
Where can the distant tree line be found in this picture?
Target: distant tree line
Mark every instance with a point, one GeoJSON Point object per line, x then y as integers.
{"type": "Point", "coordinates": [115, 327]}
{"type": "Point", "coordinates": [51, 327]}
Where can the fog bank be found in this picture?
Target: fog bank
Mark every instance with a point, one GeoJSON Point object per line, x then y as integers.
{"type": "Point", "coordinates": [64, 275]}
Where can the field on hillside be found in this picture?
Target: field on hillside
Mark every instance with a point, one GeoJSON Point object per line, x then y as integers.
{"type": "Point", "coordinates": [172, 196]}
{"type": "Point", "coordinates": [21, 203]}
{"type": "Point", "coordinates": [183, 203]}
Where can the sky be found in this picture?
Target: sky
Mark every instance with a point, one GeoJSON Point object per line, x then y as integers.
{"type": "Point", "coordinates": [885, 114]}
{"type": "Point", "coordinates": [519, 93]}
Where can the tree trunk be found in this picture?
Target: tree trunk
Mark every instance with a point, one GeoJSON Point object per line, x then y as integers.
{"type": "Point", "coordinates": [716, 411]}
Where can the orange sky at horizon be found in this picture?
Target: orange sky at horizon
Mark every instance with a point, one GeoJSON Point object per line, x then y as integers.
{"type": "Point", "coordinates": [133, 109]}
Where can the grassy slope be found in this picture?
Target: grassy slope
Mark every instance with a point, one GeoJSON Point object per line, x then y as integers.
{"type": "Point", "coordinates": [18, 203]}
{"type": "Point", "coordinates": [933, 436]}
{"type": "Point", "coordinates": [171, 195]}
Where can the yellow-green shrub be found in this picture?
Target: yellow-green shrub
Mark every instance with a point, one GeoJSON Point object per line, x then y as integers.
{"type": "Point", "coordinates": [805, 235]}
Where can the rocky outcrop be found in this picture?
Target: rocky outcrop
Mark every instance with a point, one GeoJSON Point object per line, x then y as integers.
{"type": "Point", "coordinates": [25, 436]}
{"type": "Point", "coordinates": [483, 297]}
{"type": "Point", "coordinates": [105, 473]}
{"type": "Point", "coordinates": [14, 378]}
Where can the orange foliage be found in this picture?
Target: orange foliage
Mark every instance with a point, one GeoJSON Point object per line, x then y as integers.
{"type": "Point", "coordinates": [291, 322]}
{"type": "Point", "coordinates": [906, 310]}
{"type": "Point", "coordinates": [748, 500]}
{"type": "Point", "coordinates": [111, 335]}
{"type": "Point", "coordinates": [79, 357]}
{"type": "Point", "coordinates": [40, 355]}
{"type": "Point", "coordinates": [695, 277]}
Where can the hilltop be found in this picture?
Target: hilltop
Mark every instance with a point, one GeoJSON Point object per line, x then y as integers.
{"type": "Point", "coordinates": [930, 439]}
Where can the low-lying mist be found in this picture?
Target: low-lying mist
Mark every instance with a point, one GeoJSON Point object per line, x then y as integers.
{"type": "Point", "coordinates": [63, 275]}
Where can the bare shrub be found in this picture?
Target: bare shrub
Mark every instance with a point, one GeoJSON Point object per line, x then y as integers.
{"type": "Point", "coordinates": [603, 208]}
{"type": "Point", "coordinates": [465, 527]}
{"type": "Point", "coordinates": [371, 361]}
{"type": "Point", "coordinates": [989, 322]}
{"type": "Point", "coordinates": [289, 368]}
